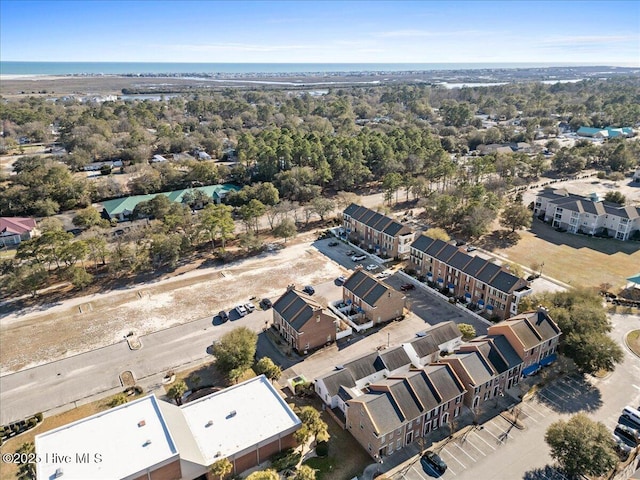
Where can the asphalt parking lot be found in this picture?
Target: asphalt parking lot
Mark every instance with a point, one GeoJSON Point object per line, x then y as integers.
{"type": "Point", "coordinates": [475, 453]}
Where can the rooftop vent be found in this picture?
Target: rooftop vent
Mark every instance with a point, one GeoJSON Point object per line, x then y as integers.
{"type": "Point", "coordinates": [209, 423]}
{"type": "Point", "coordinates": [147, 443]}
{"type": "Point", "coordinates": [58, 473]}
{"type": "Point", "coordinates": [141, 423]}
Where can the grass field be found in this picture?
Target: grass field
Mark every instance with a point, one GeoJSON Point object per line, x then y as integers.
{"type": "Point", "coordinates": [573, 259]}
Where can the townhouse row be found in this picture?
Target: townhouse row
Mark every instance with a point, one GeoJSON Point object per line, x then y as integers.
{"type": "Point", "coordinates": [389, 399]}
{"type": "Point", "coordinates": [488, 286]}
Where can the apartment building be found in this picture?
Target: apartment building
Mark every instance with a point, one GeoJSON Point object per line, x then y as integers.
{"type": "Point", "coordinates": [373, 299]}
{"type": "Point", "coordinates": [491, 287]}
{"type": "Point", "coordinates": [376, 233]}
{"type": "Point", "coordinates": [588, 215]}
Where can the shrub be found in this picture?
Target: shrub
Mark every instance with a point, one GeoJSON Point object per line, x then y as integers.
{"type": "Point", "coordinates": [285, 459]}
{"type": "Point", "coordinates": [322, 449]}
{"type": "Point", "coordinates": [601, 175]}
{"type": "Point", "coordinates": [32, 422]}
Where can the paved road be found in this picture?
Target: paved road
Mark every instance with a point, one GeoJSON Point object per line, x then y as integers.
{"type": "Point", "coordinates": [54, 385]}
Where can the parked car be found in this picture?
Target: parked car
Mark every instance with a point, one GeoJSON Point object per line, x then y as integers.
{"type": "Point", "coordinates": [383, 275]}
{"type": "Point", "coordinates": [357, 258]}
{"type": "Point", "coordinates": [265, 304]}
{"type": "Point", "coordinates": [341, 279]}
{"type": "Point", "coordinates": [371, 267]}
{"type": "Point", "coordinates": [250, 307]}
{"type": "Point", "coordinates": [333, 244]}
{"type": "Point", "coordinates": [622, 448]}
{"type": "Point", "coordinates": [434, 461]}
{"type": "Point", "coordinates": [223, 316]}
{"type": "Point", "coordinates": [309, 290]}
{"type": "Point", "coordinates": [241, 310]}
{"type": "Point", "coordinates": [350, 253]}
{"type": "Point", "coordinates": [471, 248]}
{"type": "Point", "coordinates": [627, 434]}
{"type": "Point", "coordinates": [407, 287]}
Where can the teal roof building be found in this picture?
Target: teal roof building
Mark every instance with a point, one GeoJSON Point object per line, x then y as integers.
{"type": "Point", "coordinates": [609, 132]}
{"type": "Point", "coordinates": [121, 208]}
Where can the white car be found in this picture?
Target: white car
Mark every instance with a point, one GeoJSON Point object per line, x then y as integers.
{"type": "Point", "coordinates": [371, 267]}
{"type": "Point", "coordinates": [357, 258]}
{"type": "Point", "coordinates": [383, 275]}
{"type": "Point", "coordinates": [250, 307]}
{"type": "Point", "coordinates": [241, 310]}
{"type": "Point", "coordinates": [341, 279]}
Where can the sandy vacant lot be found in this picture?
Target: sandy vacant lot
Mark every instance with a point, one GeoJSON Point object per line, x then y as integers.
{"type": "Point", "coordinates": [85, 323]}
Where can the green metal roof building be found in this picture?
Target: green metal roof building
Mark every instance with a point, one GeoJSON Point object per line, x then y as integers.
{"type": "Point", "coordinates": [121, 208]}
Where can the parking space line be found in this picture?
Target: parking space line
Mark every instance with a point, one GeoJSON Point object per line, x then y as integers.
{"type": "Point", "coordinates": [549, 400]}
{"type": "Point", "coordinates": [453, 456]}
{"type": "Point", "coordinates": [463, 451]}
{"type": "Point", "coordinates": [529, 416]}
{"type": "Point", "coordinates": [534, 409]}
{"type": "Point", "coordinates": [417, 471]}
{"type": "Point", "coordinates": [552, 393]}
{"type": "Point", "coordinates": [577, 384]}
{"type": "Point", "coordinates": [503, 432]}
{"type": "Point", "coordinates": [571, 390]}
{"type": "Point", "coordinates": [490, 433]}
{"type": "Point", "coordinates": [486, 443]}
{"type": "Point", "coordinates": [471, 443]}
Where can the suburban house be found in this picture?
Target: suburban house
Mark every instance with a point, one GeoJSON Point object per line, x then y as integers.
{"type": "Point", "coordinates": [376, 233]}
{"type": "Point", "coordinates": [578, 214]}
{"type": "Point", "coordinates": [394, 412]}
{"type": "Point", "coordinates": [493, 148]}
{"type": "Point", "coordinates": [533, 335]}
{"type": "Point", "coordinates": [608, 132]}
{"type": "Point", "coordinates": [426, 347]}
{"type": "Point", "coordinates": [122, 208]}
{"type": "Point", "coordinates": [374, 300]}
{"type": "Point", "coordinates": [14, 230]}
{"type": "Point", "coordinates": [303, 323]}
{"type": "Point", "coordinates": [152, 439]}
{"type": "Point", "coordinates": [475, 280]}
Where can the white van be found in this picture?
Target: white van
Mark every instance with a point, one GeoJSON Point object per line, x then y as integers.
{"type": "Point", "coordinates": [632, 414]}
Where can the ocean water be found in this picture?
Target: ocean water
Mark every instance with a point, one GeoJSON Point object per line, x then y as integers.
{"type": "Point", "coordinates": [123, 68]}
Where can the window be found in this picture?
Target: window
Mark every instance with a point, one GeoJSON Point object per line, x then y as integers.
{"type": "Point", "coordinates": [458, 400]}
{"type": "Point", "coordinates": [456, 412]}
{"type": "Point", "coordinates": [361, 426]}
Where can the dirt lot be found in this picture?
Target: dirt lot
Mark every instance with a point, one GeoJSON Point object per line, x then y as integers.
{"type": "Point", "coordinates": [33, 336]}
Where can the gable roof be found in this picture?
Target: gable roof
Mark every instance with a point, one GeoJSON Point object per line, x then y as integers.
{"type": "Point", "coordinates": [487, 272]}
{"type": "Point", "coordinates": [364, 366]}
{"type": "Point", "coordinates": [337, 379]}
{"type": "Point", "coordinates": [395, 358]}
{"type": "Point", "coordinates": [296, 308]}
{"type": "Point", "coordinates": [365, 287]}
{"type": "Point", "coordinates": [382, 409]}
{"type": "Point", "coordinates": [376, 221]}
{"type": "Point", "coordinates": [476, 366]}
{"type": "Point", "coordinates": [531, 328]}
{"type": "Point", "coordinates": [16, 225]}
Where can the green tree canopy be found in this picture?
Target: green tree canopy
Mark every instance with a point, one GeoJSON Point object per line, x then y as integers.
{"type": "Point", "coordinates": [285, 229]}
{"type": "Point", "coordinates": [221, 468]}
{"type": "Point", "coordinates": [312, 426]}
{"type": "Point", "coordinates": [264, 475]}
{"type": "Point", "coordinates": [270, 370]}
{"type": "Point", "coordinates": [581, 446]}
{"type": "Point", "coordinates": [177, 391]}
{"type": "Point", "coordinates": [468, 331]}
{"type": "Point", "coordinates": [515, 216]}
{"type": "Point", "coordinates": [234, 352]}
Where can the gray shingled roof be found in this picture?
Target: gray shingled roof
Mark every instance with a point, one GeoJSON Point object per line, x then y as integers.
{"type": "Point", "coordinates": [474, 266]}
{"type": "Point", "coordinates": [296, 308]}
{"type": "Point", "coordinates": [423, 388]}
{"type": "Point", "coordinates": [395, 358]}
{"type": "Point", "coordinates": [444, 332]}
{"type": "Point", "coordinates": [402, 395]}
{"type": "Point", "coordinates": [364, 366]}
{"type": "Point", "coordinates": [365, 287]}
{"type": "Point", "coordinates": [384, 412]}
{"type": "Point", "coordinates": [375, 220]}
{"type": "Point", "coordinates": [424, 346]}
{"type": "Point", "coordinates": [504, 347]}
{"type": "Point", "coordinates": [334, 380]}
{"type": "Point", "coordinates": [477, 368]}
{"type": "Point", "coordinates": [445, 381]}
{"type": "Point", "coordinates": [578, 203]}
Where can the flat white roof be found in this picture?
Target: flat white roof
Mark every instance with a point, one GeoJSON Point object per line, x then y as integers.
{"type": "Point", "coordinates": [231, 420]}
{"type": "Point", "coordinates": [113, 444]}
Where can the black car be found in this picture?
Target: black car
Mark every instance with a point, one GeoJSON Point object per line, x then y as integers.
{"type": "Point", "coordinates": [309, 290]}
{"type": "Point", "coordinates": [407, 286]}
{"type": "Point", "coordinates": [333, 244]}
{"type": "Point", "coordinates": [434, 461]}
{"type": "Point", "coordinates": [265, 304]}
{"type": "Point", "coordinates": [223, 316]}
{"type": "Point", "coordinates": [350, 253]}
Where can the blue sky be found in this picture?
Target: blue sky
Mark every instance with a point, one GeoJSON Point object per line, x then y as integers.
{"type": "Point", "coordinates": [585, 32]}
